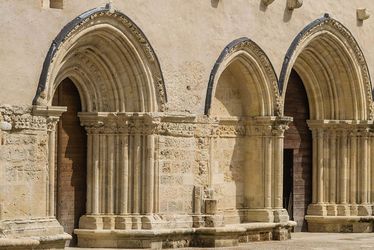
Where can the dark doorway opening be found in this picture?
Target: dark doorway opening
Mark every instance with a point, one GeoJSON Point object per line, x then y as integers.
{"type": "Point", "coordinates": [288, 181]}
{"type": "Point", "coordinates": [298, 138]}
{"type": "Point", "coordinates": [71, 160]}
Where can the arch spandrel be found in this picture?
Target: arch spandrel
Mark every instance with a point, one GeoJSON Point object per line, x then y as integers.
{"type": "Point", "coordinates": [254, 61]}
{"type": "Point", "coordinates": [326, 37]}
{"type": "Point", "coordinates": [130, 51]}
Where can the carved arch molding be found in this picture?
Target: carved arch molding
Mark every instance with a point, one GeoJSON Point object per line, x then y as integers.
{"type": "Point", "coordinates": [128, 35]}
{"type": "Point", "coordinates": [326, 25]}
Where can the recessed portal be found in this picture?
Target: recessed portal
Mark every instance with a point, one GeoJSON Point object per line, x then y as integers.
{"type": "Point", "coordinates": [298, 153]}
{"type": "Point", "coordinates": [71, 160]}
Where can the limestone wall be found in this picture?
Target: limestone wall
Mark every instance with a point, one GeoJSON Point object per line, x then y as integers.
{"type": "Point", "coordinates": [188, 37]}
{"type": "Point", "coordinates": [23, 161]}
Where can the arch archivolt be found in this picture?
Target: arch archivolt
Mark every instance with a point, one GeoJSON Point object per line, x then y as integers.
{"type": "Point", "coordinates": [246, 59]}
{"type": "Point", "coordinates": [342, 89]}
{"type": "Point", "coordinates": [109, 47]}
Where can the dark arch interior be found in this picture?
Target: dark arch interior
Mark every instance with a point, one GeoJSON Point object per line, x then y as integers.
{"type": "Point", "coordinates": [71, 160]}
{"type": "Point", "coordinates": [297, 178]}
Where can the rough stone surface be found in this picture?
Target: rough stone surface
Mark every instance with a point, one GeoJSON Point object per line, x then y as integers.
{"type": "Point", "coordinates": [183, 104]}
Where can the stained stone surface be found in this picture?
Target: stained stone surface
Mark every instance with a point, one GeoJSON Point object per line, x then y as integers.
{"type": "Point", "coordinates": [305, 241]}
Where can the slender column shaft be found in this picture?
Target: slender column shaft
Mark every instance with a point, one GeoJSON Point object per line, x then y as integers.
{"type": "Point", "coordinates": [143, 174]}
{"type": "Point", "coordinates": [326, 166]}
{"type": "Point", "coordinates": [353, 172]}
{"type": "Point", "coordinates": [102, 173]}
{"type": "Point", "coordinates": [333, 167]}
{"type": "Point", "coordinates": [364, 170]}
{"type": "Point", "coordinates": [136, 173]}
{"type": "Point", "coordinates": [343, 167]}
{"type": "Point", "coordinates": [320, 166]}
{"type": "Point", "coordinates": [267, 168]}
{"type": "Point", "coordinates": [110, 186]}
{"type": "Point", "coordinates": [95, 173]}
{"type": "Point", "coordinates": [314, 166]}
{"type": "Point", "coordinates": [124, 166]}
{"type": "Point", "coordinates": [89, 174]}
{"type": "Point", "coordinates": [156, 155]}
{"type": "Point", "coordinates": [278, 171]}
{"type": "Point", "coordinates": [150, 174]}
{"type": "Point", "coordinates": [51, 174]}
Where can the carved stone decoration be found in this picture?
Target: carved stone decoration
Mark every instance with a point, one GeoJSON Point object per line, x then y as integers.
{"type": "Point", "coordinates": [267, 2]}
{"type": "Point", "coordinates": [142, 59]}
{"type": "Point", "coordinates": [362, 14]}
{"type": "Point", "coordinates": [294, 4]}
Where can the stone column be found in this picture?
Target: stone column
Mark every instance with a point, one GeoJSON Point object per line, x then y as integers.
{"type": "Point", "coordinates": [53, 114]}
{"type": "Point", "coordinates": [319, 151]}
{"type": "Point", "coordinates": [150, 174]}
{"type": "Point", "coordinates": [280, 214]}
{"type": "Point", "coordinates": [331, 209]}
{"type": "Point", "coordinates": [124, 173]}
{"type": "Point", "coordinates": [52, 122]}
{"type": "Point", "coordinates": [342, 208]}
{"type": "Point", "coordinates": [95, 173]}
{"type": "Point", "coordinates": [364, 208]}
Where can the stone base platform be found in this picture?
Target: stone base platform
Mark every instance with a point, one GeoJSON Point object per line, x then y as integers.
{"type": "Point", "coordinates": [340, 224]}
{"type": "Point", "coordinates": [231, 235]}
{"type": "Point", "coordinates": [41, 233]}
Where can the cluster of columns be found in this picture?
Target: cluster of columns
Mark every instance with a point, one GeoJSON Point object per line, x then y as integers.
{"type": "Point", "coordinates": [264, 169]}
{"type": "Point", "coordinates": [122, 177]}
{"type": "Point", "coordinates": [342, 163]}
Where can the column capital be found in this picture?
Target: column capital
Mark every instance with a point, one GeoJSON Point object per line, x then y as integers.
{"type": "Point", "coordinates": [52, 113]}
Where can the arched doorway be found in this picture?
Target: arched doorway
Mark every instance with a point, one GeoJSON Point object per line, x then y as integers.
{"type": "Point", "coordinates": [246, 147]}
{"type": "Point", "coordinates": [71, 160]}
{"type": "Point", "coordinates": [297, 164]}
{"type": "Point", "coordinates": [121, 89]}
{"type": "Point", "coordinates": [333, 71]}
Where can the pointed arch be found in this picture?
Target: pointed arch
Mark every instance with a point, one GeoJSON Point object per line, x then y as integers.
{"type": "Point", "coordinates": [110, 61]}
{"type": "Point", "coordinates": [249, 62]}
{"type": "Point", "coordinates": [331, 64]}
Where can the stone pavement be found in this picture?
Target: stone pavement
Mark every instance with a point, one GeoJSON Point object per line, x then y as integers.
{"type": "Point", "coordinates": [310, 241]}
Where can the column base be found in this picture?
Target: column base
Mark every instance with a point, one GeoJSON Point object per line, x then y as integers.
{"type": "Point", "coordinates": [365, 210]}
{"type": "Point", "coordinates": [343, 210]}
{"type": "Point", "coordinates": [317, 209]}
{"type": "Point", "coordinates": [121, 222]}
{"type": "Point", "coordinates": [331, 210]}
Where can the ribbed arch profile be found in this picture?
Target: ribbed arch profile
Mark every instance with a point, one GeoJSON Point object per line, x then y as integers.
{"type": "Point", "coordinates": [110, 61]}
{"type": "Point", "coordinates": [333, 69]}
{"type": "Point", "coordinates": [254, 74]}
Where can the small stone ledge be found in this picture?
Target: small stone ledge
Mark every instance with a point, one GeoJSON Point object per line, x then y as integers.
{"type": "Point", "coordinates": [36, 233]}
{"type": "Point", "coordinates": [228, 236]}
{"type": "Point", "coordinates": [340, 224]}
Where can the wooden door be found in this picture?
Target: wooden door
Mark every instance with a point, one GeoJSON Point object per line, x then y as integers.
{"type": "Point", "coordinates": [71, 160]}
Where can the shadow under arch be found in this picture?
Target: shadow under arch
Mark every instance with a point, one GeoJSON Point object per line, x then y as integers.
{"type": "Point", "coordinates": [85, 37]}
{"type": "Point", "coordinates": [243, 100]}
